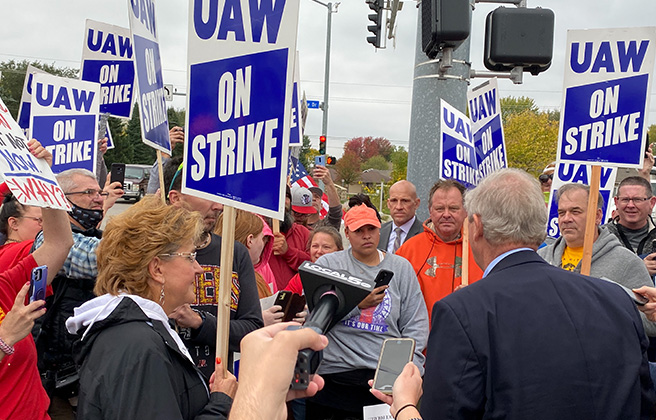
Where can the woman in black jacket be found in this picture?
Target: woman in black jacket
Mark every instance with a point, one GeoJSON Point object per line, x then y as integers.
{"type": "Point", "coordinates": [133, 365]}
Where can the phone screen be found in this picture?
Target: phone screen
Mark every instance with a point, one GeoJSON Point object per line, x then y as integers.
{"type": "Point", "coordinates": [395, 354]}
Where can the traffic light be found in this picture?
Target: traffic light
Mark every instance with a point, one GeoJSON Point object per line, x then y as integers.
{"type": "Point", "coordinates": [444, 23]}
{"type": "Point", "coordinates": [378, 6]}
{"type": "Point", "coordinates": [331, 160]}
{"type": "Point", "coordinates": [322, 145]}
{"type": "Point", "coordinates": [519, 37]}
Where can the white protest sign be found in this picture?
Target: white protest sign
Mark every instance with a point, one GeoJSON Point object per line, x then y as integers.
{"type": "Point", "coordinates": [107, 59]}
{"type": "Point", "coordinates": [26, 97]}
{"type": "Point", "coordinates": [296, 132]}
{"type": "Point", "coordinates": [485, 114]}
{"type": "Point", "coordinates": [238, 131]}
{"type": "Point", "coordinates": [28, 178]}
{"type": "Point", "coordinates": [152, 104]}
{"type": "Point", "coordinates": [566, 173]}
{"type": "Point", "coordinates": [65, 120]}
{"type": "Point", "coordinates": [376, 412]}
{"type": "Point", "coordinates": [607, 83]}
{"type": "Point", "coordinates": [457, 153]}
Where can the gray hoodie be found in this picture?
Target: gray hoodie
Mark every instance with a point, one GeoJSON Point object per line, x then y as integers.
{"type": "Point", "coordinates": [610, 260]}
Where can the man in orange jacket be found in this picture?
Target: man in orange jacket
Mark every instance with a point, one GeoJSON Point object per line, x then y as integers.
{"type": "Point", "coordinates": [436, 253]}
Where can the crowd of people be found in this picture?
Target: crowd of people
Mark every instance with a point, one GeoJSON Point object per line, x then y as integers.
{"type": "Point", "coordinates": [505, 327]}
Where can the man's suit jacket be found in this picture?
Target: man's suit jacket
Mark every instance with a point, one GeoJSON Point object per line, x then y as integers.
{"type": "Point", "coordinates": [532, 341]}
{"type": "Point", "coordinates": [386, 231]}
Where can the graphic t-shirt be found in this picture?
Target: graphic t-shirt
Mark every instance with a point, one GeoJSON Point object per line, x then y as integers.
{"type": "Point", "coordinates": [571, 258]}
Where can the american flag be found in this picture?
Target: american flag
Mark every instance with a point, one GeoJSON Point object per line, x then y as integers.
{"type": "Point", "coordinates": [299, 176]}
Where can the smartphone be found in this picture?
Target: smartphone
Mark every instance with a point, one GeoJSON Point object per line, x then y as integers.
{"type": "Point", "coordinates": [637, 299]}
{"type": "Point", "coordinates": [394, 355]}
{"type": "Point", "coordinates": [38, 283]}
{"type": "Point", "coordinates": [118, 173]}
{"type": "Point", "coordinates": [291, 303]}
{"type": "Point", "coordinates": [320, 160]}
{"type": "Point", "coordinates": [383, 278]}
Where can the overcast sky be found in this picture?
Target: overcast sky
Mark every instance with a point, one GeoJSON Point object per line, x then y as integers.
{"type": "Point", "coordinates": [370, 91]}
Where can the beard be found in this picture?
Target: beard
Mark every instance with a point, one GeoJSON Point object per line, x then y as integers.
{"type": "Point", "coordinates": [287, 222]}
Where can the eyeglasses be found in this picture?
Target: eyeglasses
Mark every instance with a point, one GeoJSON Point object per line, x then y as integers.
{"type": "Point", "coordinates": [544, 178]}
{"type": "Point", "coordinates": [90, 192]}
{"type": "Point", "coordinates": [636, 200]}
{"type": "Point", "coordinates": [191, 256]}
{"type": "Point", "coordinates": [36, 219]}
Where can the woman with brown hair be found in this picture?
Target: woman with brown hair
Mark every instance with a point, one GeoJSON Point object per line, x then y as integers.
{"type": "Point", "coordinates": [146, 268]}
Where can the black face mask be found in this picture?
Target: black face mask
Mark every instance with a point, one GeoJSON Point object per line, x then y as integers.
{"type": "Point", "coordinates": [87, 218]}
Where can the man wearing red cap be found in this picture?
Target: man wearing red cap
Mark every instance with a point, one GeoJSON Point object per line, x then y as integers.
{"type": "Point", "coordinates": [290, 244]}
{"type": "Point", "coordinates": [354, 343]}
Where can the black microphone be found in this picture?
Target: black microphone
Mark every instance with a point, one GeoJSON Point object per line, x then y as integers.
{"type": "Point", "coordinates": [331, 294]}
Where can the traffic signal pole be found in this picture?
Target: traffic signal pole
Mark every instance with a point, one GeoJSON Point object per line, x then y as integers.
{"type": "Point", "coordinates": [427, 90]}
{"type": "Point", "coordinates": [326, 76]}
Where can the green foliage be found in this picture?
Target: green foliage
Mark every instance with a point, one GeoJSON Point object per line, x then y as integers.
{"type": "Point", "coordinates": [13, 79]}
{"type": "Point", "coordinates": [375, 162]}
{"type": "Point", "coordinates": [531, 140]}
{"type": "Point", "coordinates": [176, 119]}
{"type": "Point", "coordinates": [123, 152]}
{"type": "Point", "coordinates": [651, 132]}
{"type": "Point", "coordinates": [399, 160]}
{"type": "Point", "coordinates": [348, 167]}
{"type": "Point", "coordinates": [305, 155]}
{"type": "Point", "coordinates": [512, 106]}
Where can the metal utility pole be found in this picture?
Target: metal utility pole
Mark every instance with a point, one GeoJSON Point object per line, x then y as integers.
{"type": "Point", "coordinates": [326, 77]}
{"type": "Point", "coordinates": [428, 88]}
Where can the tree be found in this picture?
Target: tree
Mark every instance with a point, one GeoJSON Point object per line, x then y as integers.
{"type": "Point", "coordinates": [367, 147]}
{"type": "Point", "coordinates": [651, 132]}
{"type": "Point", "coordinates": [176, 118]}
{"type": "Point", "coordinates": [348, 167]}
{"type": "Point", "coordinates": [399, 160]}
{"type": "Point", "coordinates": [531, 140]}
{"type": "Point", "coordinates": [376, 162]}
{"type": "Point", "coordinates": [143, 153]}
{"type": "Point", "coordinates": [512, 106]}
{"type": "Point", "coordinates": [123, 152]}
{"type": "Point", "coordinates": [13, 79]}
{"type": "Point", "coordinates": [307, 153]}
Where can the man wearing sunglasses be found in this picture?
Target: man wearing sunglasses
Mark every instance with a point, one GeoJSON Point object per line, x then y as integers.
{"type": "Point", "coordinates": [73, 285]}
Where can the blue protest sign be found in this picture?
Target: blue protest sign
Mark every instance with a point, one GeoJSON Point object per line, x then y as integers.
{"type": "Point", "coordinates": [28, 178]}
{"type": "Point", "coordinates": [24, 109]}
{"type": "Point", "coordinates": [485, 113]}
{"type": "Point", "coordinates": [65, 120]}
{"type": "Point", "coordinates": [238, 134]}
{"type": "Point", "coordinates": [296, 125]}
{"type": "Point", "coordinates": [151, 100]}
{"type": "Point", "coordinates": [606, 96]}
{"type": "Point", "coordinates": [107, 59]}
{"type": "Point", "coordinates": [457, 153]}
{"type": "Point", "coordinates": [566, 173]}
{"type": "Point", "coordinates": [110, 141]}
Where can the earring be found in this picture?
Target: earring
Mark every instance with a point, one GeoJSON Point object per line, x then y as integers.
{"type": "Point", "coordinates": [161, 296]}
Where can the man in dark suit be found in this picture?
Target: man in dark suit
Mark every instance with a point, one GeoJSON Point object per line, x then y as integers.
{"type": "Point", "coordinates": [529, 340]}
{"type": "Point", "coordinates": [402, 203]}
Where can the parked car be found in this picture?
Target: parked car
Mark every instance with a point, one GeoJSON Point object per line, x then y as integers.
{"type": "Point", "coordinates": [136, 181]}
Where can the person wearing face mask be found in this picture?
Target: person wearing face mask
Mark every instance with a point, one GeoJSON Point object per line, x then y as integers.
{"type": "Point", "coordinates": [72, 286]}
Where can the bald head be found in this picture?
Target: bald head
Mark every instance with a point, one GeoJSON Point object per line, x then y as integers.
{"type": "Point", "coordinates": [402, 202]}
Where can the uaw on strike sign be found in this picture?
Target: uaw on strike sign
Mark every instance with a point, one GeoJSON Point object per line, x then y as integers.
{"type": "Point", "coordinates": [241, 64]}
{"type": "Point", "coordinates": [607, 83]}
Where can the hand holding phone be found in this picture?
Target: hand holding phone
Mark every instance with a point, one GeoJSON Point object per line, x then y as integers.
{"type": "Point", "coordinates": [118, 173]}
{"type": "Point", "coordinates": [38, 283]}
{"type": "Point", "coordinates": [394, 355]}
{"type": "Point", "coordinates": [320, 160]}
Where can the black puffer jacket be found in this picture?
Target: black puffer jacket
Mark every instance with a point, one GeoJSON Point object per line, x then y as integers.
{"type": "Point", "coordinates": [132, 368]}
